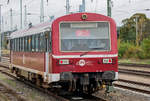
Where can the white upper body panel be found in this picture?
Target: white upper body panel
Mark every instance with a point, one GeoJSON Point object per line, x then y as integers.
{"type": "Point", "coordinates": [46, 26]}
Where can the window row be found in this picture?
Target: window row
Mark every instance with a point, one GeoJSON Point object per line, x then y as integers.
{"type": "Point", "coordinates": [37, 43]}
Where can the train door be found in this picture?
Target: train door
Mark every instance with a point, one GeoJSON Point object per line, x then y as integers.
{"type": "Point", "coordinates": [47, 51]}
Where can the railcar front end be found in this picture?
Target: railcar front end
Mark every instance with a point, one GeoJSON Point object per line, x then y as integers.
{"type": "Point", "coordinates": [84, 56]}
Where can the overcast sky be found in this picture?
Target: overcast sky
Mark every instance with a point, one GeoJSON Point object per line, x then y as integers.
{"type": "Point", "coordinates": [121, 9]}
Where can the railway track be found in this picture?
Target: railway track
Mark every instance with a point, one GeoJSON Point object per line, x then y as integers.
{"type": "Point", "coordinates": [135, 72]}
{"type": "Point", "coordinates": [135, 65]}
{"type": "Point", "coordinates": [57, 96]}
{"type": "Point", "coordinates": [7, 94]}
{"type": "Point", "coordinates": [133, 86]}
{"type": "Point", "coordinates": [33, 85]}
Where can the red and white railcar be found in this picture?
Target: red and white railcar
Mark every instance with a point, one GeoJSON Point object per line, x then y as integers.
{"type": "Point", "coordinates": [77, 51]}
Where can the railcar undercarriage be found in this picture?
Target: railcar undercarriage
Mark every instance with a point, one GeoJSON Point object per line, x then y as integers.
{"type": "Point", "coordinates": [87, 82]}
{"type": "Point", "coordinates": [73, 82]}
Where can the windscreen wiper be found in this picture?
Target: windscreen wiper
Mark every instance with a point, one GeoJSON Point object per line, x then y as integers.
{"type": "Point", "coordinates": [92, 49]}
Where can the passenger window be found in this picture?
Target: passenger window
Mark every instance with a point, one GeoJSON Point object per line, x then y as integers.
{"type": "Point", "coordinates": [43, 42]}
{"type": "Point", "coordinates": [50, 42]}
{"type": "Point", "coordinates": [32, 46]}
{"type": "Point", "coordinates": [40, 42]}
{"type": "Point", "coordinates": [37, 43]}
{"type": "Point", "coordinates": [17, 44]}
{"type": "Point", "coordinates": [14, 44]}
{"type": "Point", "coordinates": [29, 43]}
{"type": "Point", "coordinates": [20, 44]}
{"type": "Point", "coordinates": [49, 46]}
{"type": "Point", "coordinates": [21, 47]}
{"type": "Point", "coordinates": [46, 41]}
{"type": "Point", "coordinates": [11, 44]}
{"type": "Point", "coordinates": [23, 43]}
{"type": "Point", "coordinates": [26, 43]}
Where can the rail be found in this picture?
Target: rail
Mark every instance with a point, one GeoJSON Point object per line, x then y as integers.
{"type": "Point", "coordinates": [135, 72]}
{"type": "Point", "coordinates": [135, 65]}
{"type": "Point", "coordinates": [133, 88]}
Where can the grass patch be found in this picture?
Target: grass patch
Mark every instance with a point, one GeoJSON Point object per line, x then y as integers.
{"type": "Point", "coordinates": [29, 93]}
{"type": "Point", "coordinates": [8, 81]}
{"type": "Point", "coordinates": [135, 61]}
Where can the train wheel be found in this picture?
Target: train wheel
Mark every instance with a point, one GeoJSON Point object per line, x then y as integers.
{"type": "Point", "coordinates": [38, 80]}
{"type": "Point", "coordinates": [65, 86]}
{"type": "Point", "coordinates": [90, 89]}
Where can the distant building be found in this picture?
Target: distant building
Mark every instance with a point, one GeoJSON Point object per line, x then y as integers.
{"type": "Point", "coordinates": [5, 39]}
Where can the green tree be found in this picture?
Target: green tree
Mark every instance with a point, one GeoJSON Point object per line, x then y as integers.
{"type": "Point", "coordinates": [128, 29]}
{"type": "Point", "coordinates": [146, 47]}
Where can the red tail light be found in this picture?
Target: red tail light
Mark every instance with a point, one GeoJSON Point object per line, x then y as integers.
{"type": "Point", "coordinates": [107, 61]}
{"type": "Point", "coordinates": [63, 62]}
